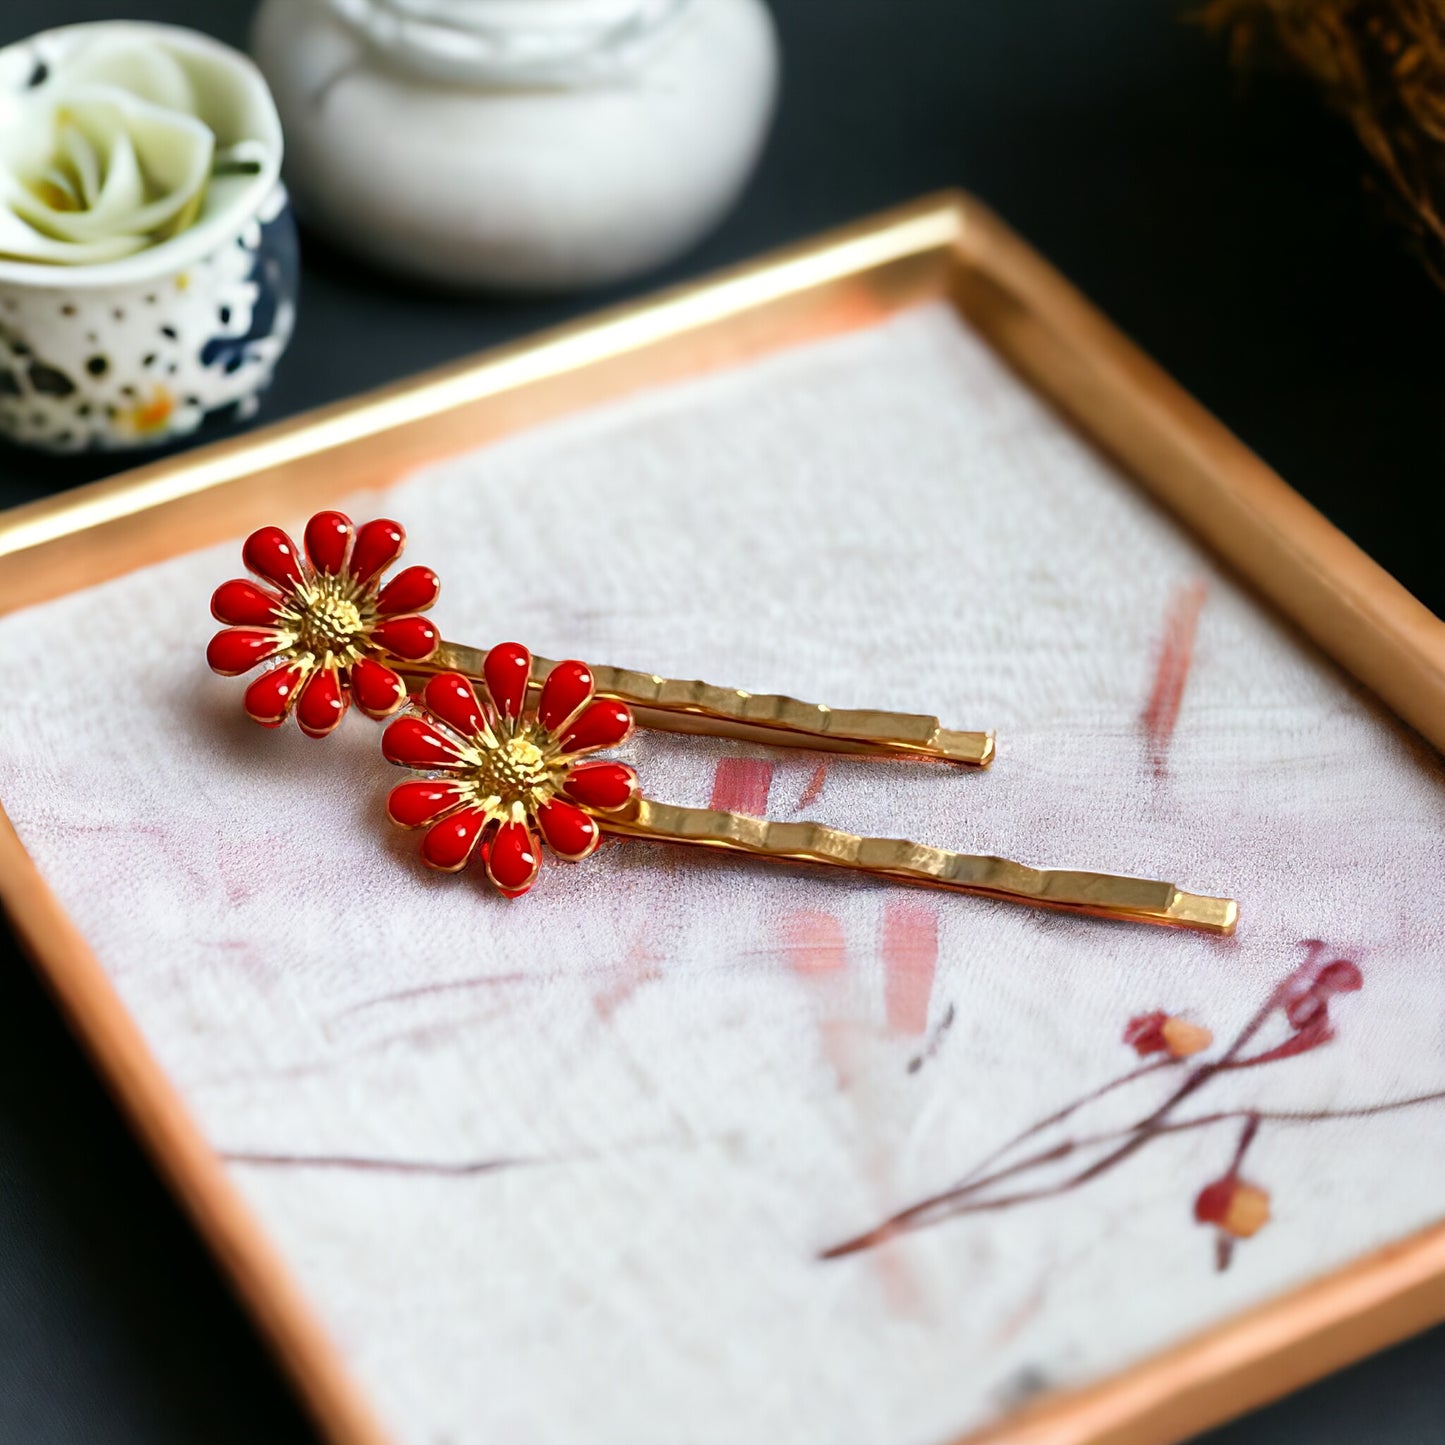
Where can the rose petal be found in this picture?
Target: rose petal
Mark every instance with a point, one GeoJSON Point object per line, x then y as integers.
{"type": "Point", "coordinates": [413, 589]}
{"type": "Point", "coordinates": [602, 725]}
{"type": "Point", "coordinates": [415, 804]}
{"type": "Point", "coordinates": [378, 545]}
{"type": "Point", "coordinates": [507, 667]}
{"type": "Point", "coordinates": [512, 859]}
{"type": "Point", "coordinates": [271, 696]}
{"type": "Point", "coordinates": [377, 689]}
{"type": "Point", "coordinates": [245, 604]}
{"type": "Point", "coordinates": [123, 171]}
{"type": "Point", "coordinates": [604, 786]}
{"type": "Point", "coordinates": [451, 698]}
{"type": "Point", "coordinates": [328, 539]}
{"type": "Point", "coordinates": [412, 638]}
{"type": "Point", "coordinates": [323, 703]}
{"type": "Point", "coordinates": [238, 649]}
{"type": "Point", "coordinates": [448, 845]}
{"type": "Point", "coordinates": [411, 743]}
{"type": "Point", "coordinates": [271, 554]}
{"type": "Point", "coordinates": [567, 830]}
{"type": "Point", "coordinates": [567, 690]}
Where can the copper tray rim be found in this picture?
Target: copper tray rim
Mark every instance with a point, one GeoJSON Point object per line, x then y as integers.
{"type": "Point", "coordinates": [943, 246]}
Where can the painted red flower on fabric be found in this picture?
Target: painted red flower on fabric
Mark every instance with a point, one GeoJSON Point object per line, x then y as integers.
{"type": "Point", "coordinates": [329, 629]}
{"type": "Point", "coordinates": [1304, 1000]}
{"type": "Point", "coordinates": [503, 772]}
{"type": "Point", "coordinates": [1162, 1033]}
{"type": "Point", "coordinates": [1234, 1206]}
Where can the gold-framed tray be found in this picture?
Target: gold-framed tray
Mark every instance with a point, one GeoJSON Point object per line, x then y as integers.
{"type": "Point", "coordinates": [688, 1148]}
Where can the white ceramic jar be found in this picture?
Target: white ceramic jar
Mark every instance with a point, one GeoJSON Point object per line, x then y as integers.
{"type": "Point", "coordinates": [161, 336]}
{"type": "Point", "coordinates": [518, 144]}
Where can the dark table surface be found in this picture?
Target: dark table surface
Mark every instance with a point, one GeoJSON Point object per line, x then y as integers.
{"type": "Point", "coordinates": [1223, 224]}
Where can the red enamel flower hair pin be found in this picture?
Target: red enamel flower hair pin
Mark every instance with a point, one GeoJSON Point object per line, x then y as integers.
{"type": "Point", "coordinates": [332, 630]}
{"type": "Point", "coordinates": [502, 772]}
{"type": "Point", "coordinates": [505, 739]}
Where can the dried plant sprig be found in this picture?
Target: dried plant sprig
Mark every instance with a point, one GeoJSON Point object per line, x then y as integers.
{"type": "Point", "coordinates": [1297, 1010]}
{"type": "Point", "coordinates": [1381, 63]}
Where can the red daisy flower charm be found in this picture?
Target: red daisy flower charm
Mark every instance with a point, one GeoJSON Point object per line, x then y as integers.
{"type": "Point", "coordinates": [329, 628]}
{"type": "Point", "coordinates": [502, 772]}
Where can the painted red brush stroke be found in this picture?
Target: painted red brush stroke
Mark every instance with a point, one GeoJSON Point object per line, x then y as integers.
{"type": "Point", "coordinates": [813, 942]}
{"type": "Point", "coordinates": [813, 789]}
{"type": "Point", "coordinates": [244, 867]}
{"type": "Point", "coordinates": [910, 960]}
{"type": "Point", "coordinates": [742, 785]}
{"type": "Point", "coordinates": [641, 966]}
{"type": "Point", "coordinates": [1171, 673]}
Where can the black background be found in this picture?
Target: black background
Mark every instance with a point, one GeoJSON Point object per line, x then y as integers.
{"type": "Point", "coordinates": [1223, 223]}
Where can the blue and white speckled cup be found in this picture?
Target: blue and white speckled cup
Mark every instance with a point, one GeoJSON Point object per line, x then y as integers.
{"type": "Point", "coordinates": [139, 351]}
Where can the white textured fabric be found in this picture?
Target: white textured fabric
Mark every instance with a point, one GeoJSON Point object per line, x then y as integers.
{"type": "Point", "coordinates": [693, 1074]}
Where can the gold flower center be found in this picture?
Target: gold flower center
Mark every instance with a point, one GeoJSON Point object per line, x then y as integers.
{"type": "Point", "coordinates": [515, 771]}
{"type": "Point", "coordinates": [329, 620]}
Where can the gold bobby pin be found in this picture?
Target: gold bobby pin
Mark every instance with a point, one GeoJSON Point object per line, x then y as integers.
{"type": "Point", "coordinates": [330, 632]}
{"type": "Point", "coordinates": [677, 706]}
{"type": "Point", "coordinates": [1104, 895]}
{"type": "Point", "coordinates": [511, 764]}
{"type": "Point", "coordinates": [335, 634]}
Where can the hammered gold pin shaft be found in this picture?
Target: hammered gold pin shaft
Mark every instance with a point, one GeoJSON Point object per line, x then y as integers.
{"type": "Point", "coordinates": [1102, 895]}
{"type": "Point", "coordinates": [681, 706]}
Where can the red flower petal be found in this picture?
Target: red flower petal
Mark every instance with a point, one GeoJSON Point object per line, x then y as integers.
{"type": "Point", "coordinates": [1309, 1003]}
{"type": "Point", "coordinates": [1212, 1204]}
{"type": "Point", "coordinates": [269, 698]}
{"type": "Point", "coordinates": [413, 589]}
{"type": "Point", "coordinates": [604, 786]}
{"type": "Point", "coordinates": [238, 649]}
{"type": "Point", "coordinates": [451, 698]}
{"type": "Point", "coordinates": [567, 690]}
{"type": "Point", "coordinates": [1305, 1011]}
{"type": "Point", "coordinates": [449, 844]}
{"type": "Point", "coordinates": [1145, 1033]}
{"type": "Point", "coordinates": [271, 554]}
{"type": "Point", "coordinates": [378, 691]}
{"type": "Point", "coordinates": [323, 703]}
{"type": "Point", "coordinates": [507, 667]}
{"type": "Point", "coordinates": [512, 859]}
{"type": "Point", "coordinates": [378, 545]}
{"type": "Point", "coordinates": [1234, 1205]}
{"type": "Point", "coordinates": [328, 539]}
{"type": "Point", "coordinates": [568, 831]}
{"type": "Point", "coordinates": [602, 725]}
{"type": "Point", "coordinates": [411, 743]}
{"type": "Point", "coordinates": [1341, 976]}
{"type": "Point", "coordinates": [245, 604]}
{"type": "Point", "coordinates": [412, 638]}
{"type": "Point", "coordinates": [412, 805]}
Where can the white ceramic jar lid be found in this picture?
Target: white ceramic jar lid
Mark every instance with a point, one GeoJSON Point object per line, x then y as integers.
{"type": "Point", "coordinates": [563, 43]}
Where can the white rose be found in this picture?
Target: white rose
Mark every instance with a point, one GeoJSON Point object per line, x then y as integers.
{"type": "Point", "coordinates": [110, 152]}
